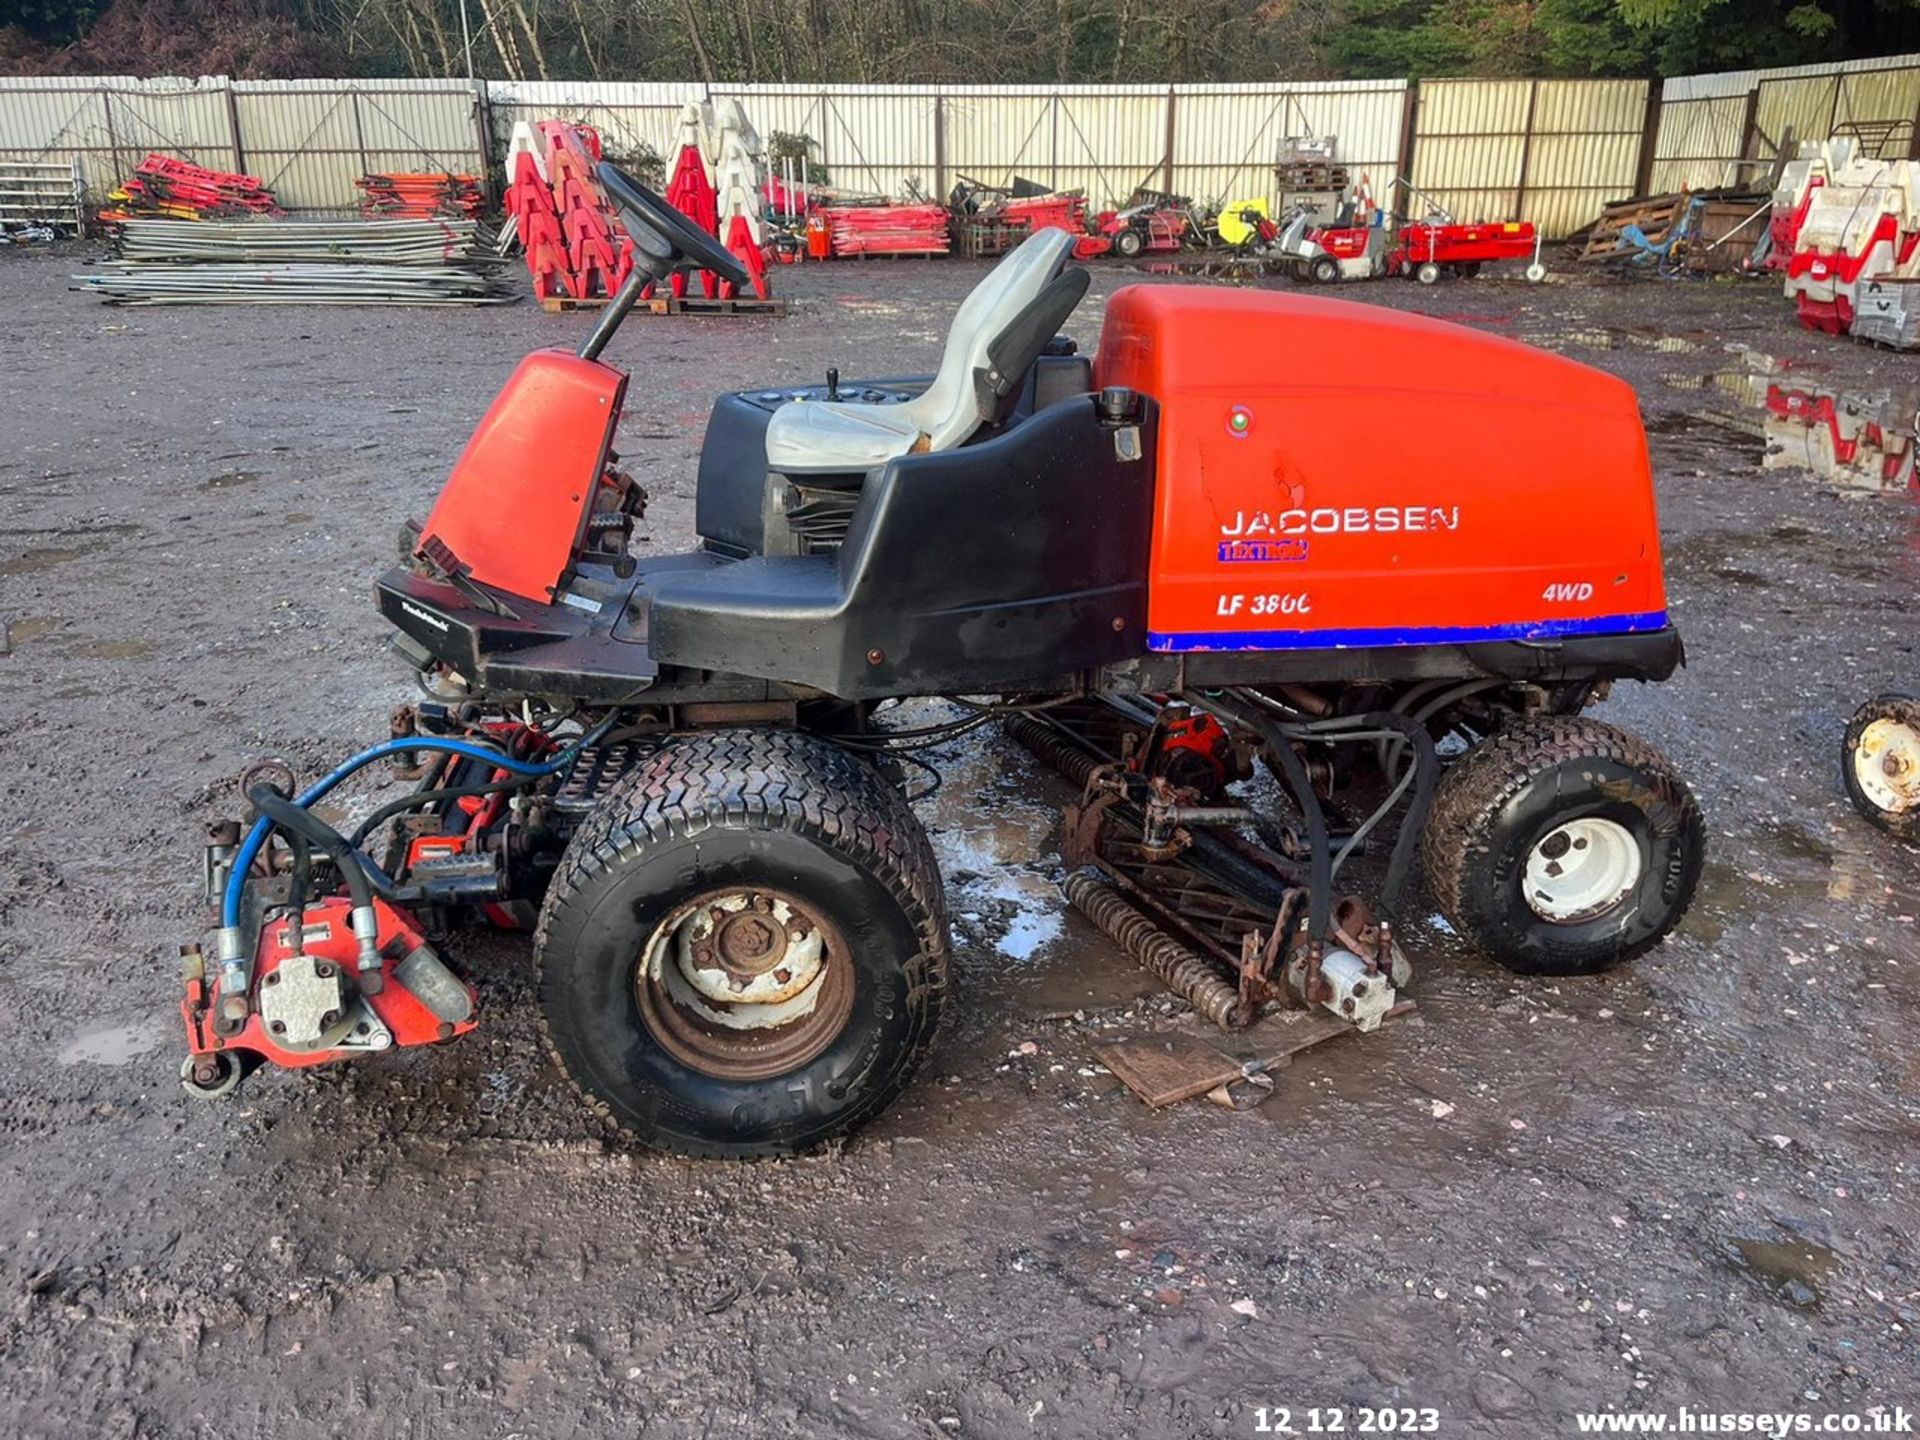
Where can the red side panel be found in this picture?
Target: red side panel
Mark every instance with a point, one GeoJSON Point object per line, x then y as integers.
{"type": "Point", "coordinates": [515, 508]}
{"type": "Point", "coordinates": [1336, 474]}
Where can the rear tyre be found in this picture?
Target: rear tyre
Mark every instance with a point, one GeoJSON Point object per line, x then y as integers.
{"type": "Point", "coordinates": [744, 952]}
{"type": "Point", "coordinates": [1562, 845]}
{"type": "Point", "coordinates": [1128, 243]}
{"type": "Point", "coordinates": [1324, 270]}
{"type": "Point", "coordinates": [1427, 273]}
{"type": "Point", "coordinates": [1880, 764]}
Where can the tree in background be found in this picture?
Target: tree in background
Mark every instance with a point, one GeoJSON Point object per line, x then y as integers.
{"type": "Point", "coordinates": [164, 37]}
{"type": "Point", "coordinates": [920, 41]}
{"type": "Point", "coordinates": [1607, 37]}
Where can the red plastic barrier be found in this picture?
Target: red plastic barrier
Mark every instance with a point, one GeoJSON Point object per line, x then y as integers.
{"type": "Point", "coordinates": [887, 229]}
{"type": "Point", "coordinates": [421, 197]}
{"type": "Point", "coordinates": [172, 188]}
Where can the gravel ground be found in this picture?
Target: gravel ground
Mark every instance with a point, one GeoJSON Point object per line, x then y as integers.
{"type": "Point", "coordinates": [1689, 1182]}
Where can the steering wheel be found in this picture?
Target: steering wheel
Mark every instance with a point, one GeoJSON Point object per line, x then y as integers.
{"type": "Point", "coordinates": [689, 244]}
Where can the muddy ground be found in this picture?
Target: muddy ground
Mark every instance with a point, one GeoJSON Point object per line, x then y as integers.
{"type": "Point", "coordinates": [1689, 1182]}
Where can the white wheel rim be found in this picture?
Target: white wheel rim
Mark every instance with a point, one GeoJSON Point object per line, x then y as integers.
{"type": "Point", "coordinates": [779, 985]}
{"type": "Point", "coordinates": [1886, 766]}
{"type": "Point", "coordinates": [1580, 870]}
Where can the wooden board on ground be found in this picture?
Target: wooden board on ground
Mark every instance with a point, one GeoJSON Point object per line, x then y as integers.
{"type": "Point", "coordinates": [675, 305]}
{"type": "Point", "coordinates": [1166, 1069]}
{"type": "Point", "coordinates": [1184, 1063]}
{"type": "Point", "coordinates": [1272, 1043]}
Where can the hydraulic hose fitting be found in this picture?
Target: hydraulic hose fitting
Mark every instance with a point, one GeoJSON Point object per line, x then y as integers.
{"type": "Point", "coordinates": [366, 930]}
{"type": "Point", "coordinates": [231, 961]}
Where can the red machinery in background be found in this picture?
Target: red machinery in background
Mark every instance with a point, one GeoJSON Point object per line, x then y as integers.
{"type": "Point", "coordinates": [1154, 223]}
{"type": "Point", "coordinates": [1362, 244]}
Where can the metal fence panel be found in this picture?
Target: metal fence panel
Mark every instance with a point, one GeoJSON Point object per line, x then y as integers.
{"type": "Point", "coordinates": [1710, 123]}
{"type": "Point", "coordinates": [1225, 138]}
{"type": "Point", "coordinates": [1470, 145]}
{"type": "Point", "coordinates": [108, 124]}
{"type": "Point", "coordinates": [309, 141]}
{"type": "Point", "coordinates": [876, 139]}
{"type": "Point", "coordinates": [994, 134]}
{"type": "Point", "coordinates": [1549, 151]}
{"type": "Point", "coordinates": [1699, 139]}
{"type": "Point", "coordinates": [630, 116]}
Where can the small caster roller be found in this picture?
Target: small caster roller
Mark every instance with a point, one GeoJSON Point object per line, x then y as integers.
{"type": "Point", "coordinates": [1880, 764]}
{"type": "Point", "coordinates": [209, 1077]}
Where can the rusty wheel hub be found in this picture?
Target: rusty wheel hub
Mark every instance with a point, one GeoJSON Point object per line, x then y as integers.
{"type": "Point", "coordinates": [1886, 763]}
{"type": "Point", "coordinates": [745, 984]}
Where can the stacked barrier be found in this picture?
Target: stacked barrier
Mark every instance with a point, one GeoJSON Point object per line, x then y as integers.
{"type": "Point", "coordinates": [575, 245]}
{"type": "Point", "coordinates": [167, 188]}
{"type": "Point", "coordinates": [434, 196]}
{"type": "Point", "coordinates": [1794, 195]}
{"type": "Point", "coordinates": [886, 229]}
{"type": "Point", "coordinates": [1861, 226]}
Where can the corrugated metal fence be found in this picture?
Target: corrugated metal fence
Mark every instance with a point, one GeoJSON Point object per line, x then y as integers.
{"type": "Point", "coordinates": [1216, 142]}
{"type": "Point", "coordinates": [309, 140]}
{"type": "Point", "coordinates": [1551, 151]}
{"type": "Point", "coordinates": [1723, 129]}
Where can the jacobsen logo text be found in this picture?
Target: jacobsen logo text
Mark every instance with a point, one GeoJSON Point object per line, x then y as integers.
{"type": "Point", "coordinates": [1350, 520]}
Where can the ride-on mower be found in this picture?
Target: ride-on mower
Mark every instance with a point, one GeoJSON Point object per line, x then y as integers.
{"type": "Point", "coordinates": [1167, 565]}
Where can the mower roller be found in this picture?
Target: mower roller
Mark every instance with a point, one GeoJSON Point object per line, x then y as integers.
{"type": "Point", "coordinates": [1258, 650]}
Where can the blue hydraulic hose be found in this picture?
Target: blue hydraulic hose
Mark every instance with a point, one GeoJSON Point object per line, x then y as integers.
{"type": "Point", "coordinates": [256, 837]}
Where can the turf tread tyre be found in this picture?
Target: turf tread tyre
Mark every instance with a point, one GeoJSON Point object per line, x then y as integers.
{"type": "Point", "coordinates": [1459, 840]}
{"type": "Point", "coordinates": [765, 781]}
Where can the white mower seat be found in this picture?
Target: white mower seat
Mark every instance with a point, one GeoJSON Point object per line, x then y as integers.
{"type": "Point", "coordinates": [819, 436]}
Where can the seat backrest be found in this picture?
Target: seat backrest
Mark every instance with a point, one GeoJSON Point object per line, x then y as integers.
{"type": "Point", "coordinates": [949, 411]}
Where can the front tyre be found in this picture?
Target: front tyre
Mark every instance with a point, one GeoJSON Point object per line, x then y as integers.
{"type": "Point", "coordinates": [1563, 845]}
{"type": "Point", "coordinates": [744, 952]}
{"type": "Point", "coordinates": [1880, 764]}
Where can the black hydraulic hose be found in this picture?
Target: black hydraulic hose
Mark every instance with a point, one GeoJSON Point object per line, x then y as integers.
{"type": "Point", "coordinates": [302, 879]}
{"type": "Point", "coordinates": [421, 798]}
{"type": "Point", "coordinates": [293, 820]}
{"type": "Point", "coordinates": [1320, 858]}
{"type": "Point", "coordinates": [1426, 775]}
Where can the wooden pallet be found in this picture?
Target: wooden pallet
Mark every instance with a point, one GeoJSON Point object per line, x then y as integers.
{"type": "Point", "coordinates": [1305, 175]}
{"type": "Point", "coordinates": [676, 305]}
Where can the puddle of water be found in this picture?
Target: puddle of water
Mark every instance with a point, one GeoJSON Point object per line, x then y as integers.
{"type": "Point", "coordinates": [1795, 1270]}
{"type": "Point", "coordinates": [111, 649]}
{"type": "Point", "coordinates": [1618, 337]}
{"type": "Point", "coordinates": [111, 1044]}
{"type": "Point", "coordinates": [44, 558]}
{"type": "Point", "coordinates": [22, 632]}
{"type": "Point", "coordinates": [1866, 440]}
